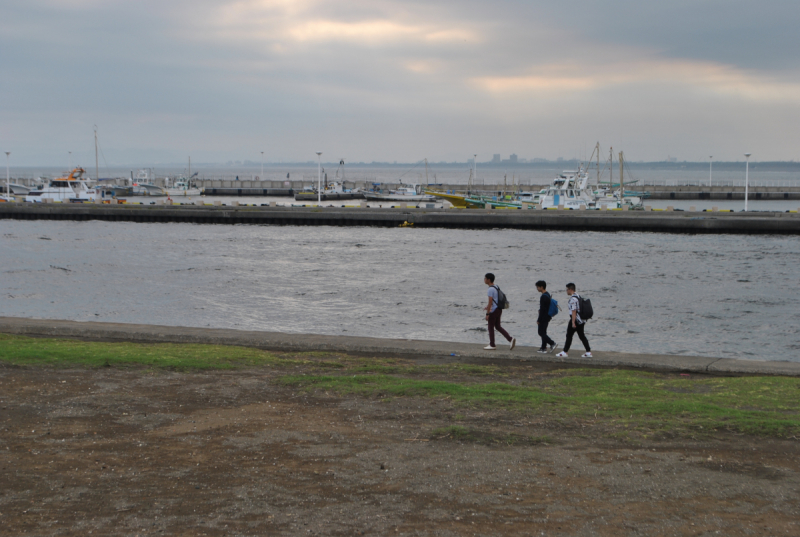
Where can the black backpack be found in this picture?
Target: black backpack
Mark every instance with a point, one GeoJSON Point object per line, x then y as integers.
{"type": "Point", "coordinates": [585, 308]}
{"type": "Point", "coordinates": [502, 301]}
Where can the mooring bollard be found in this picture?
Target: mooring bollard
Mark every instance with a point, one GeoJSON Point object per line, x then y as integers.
{"type": "Point", "coordinates": [273, 204]}
{"type": "Point", "coordinates": [648, 207]}
{"type": "Point", "coordinates": [670, 208]}
{"type": "Point", "coordinates": [235, 203]}
{"type": "Point", "coordinates": [582, 207]}
{"type": "Point", "coordinates": [604, 206]}
{"type": "Point", "coordinates": [488, 206]}
{"type": "Point", "coordinates": [714, 209]}
{"type": "Point", "coordinates": [363, 204]}
{"type": "Point", "coordinates": [217, 204]}
{"type": "Point", "coordinates": [197, 202]}
{"type": "Point", "coordinates": [560, 206]}
{"type": "Point", "coordinates": [692, 209]}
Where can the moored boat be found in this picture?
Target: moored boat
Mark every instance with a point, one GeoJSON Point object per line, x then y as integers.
{"type": "Point", "coordinates": [74, 188]}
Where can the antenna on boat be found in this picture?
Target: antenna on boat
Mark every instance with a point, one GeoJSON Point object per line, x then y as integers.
{"type": "Point", "coordinates": [96, 161]}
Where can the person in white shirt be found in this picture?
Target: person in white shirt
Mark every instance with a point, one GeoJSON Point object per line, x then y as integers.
{"type": "Point", "coordinates": [493, 313]}
{"type": "Point", "coordinates": [575, 324]}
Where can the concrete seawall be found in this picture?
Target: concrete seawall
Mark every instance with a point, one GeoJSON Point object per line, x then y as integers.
{"type": "Point", "coordinates": [375, 346]}
{"type": "Point", "coordinates": [563, 220]}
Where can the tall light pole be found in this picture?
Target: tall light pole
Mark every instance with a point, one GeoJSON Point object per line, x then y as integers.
{"type": "Point", "coordinates": [319, 178]}
{"type": "Point", "coordinates": [8, 189]}
{"type": "Point", "coordinates": [710, 165]}
{"type": "Point", "coordinates": [746, 180]}
{"type": "Point", "coordinates": [262, 165]}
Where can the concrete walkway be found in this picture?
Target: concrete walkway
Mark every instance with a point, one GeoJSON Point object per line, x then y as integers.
{"type": "Point", "coordinates": [143, 333]}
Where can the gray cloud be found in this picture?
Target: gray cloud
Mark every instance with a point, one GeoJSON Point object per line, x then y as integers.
{"type": "Point", "coordinates": [389, 80]}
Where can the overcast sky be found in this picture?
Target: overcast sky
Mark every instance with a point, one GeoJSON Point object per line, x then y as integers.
{"type": "Point", "coordinates": [398, 80]}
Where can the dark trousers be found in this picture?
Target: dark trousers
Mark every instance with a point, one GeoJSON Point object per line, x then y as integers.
{"type": "Point", "coordinates": [571, 332]}
{"type": "Point", "coordinates": [543, 334]}
{"type": "Point", "coordinates": [494, 322]}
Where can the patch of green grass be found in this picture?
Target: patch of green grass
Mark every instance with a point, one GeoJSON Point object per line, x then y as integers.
{"type": "Point", "coordinates": [20, 350]}
{"type": "Point", "coordinates": [628, 399]}
{"type": "Point", "coordinates": [463, 434]}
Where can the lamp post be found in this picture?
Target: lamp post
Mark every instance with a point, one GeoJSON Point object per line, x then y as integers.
{"type": "Point", "coordinates": [8, 189]}
{"type": "Point", "coordinates": [319, 178]}
{"type": "Point", "coordinates": [262, 165]}
{"type": "Point", "coordinates": [710, 164]}
{"type": "Point", "coordinates": [746, 180]}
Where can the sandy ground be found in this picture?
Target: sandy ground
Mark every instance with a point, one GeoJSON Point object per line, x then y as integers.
{"type": "Point", "coordinates": [135, 452]}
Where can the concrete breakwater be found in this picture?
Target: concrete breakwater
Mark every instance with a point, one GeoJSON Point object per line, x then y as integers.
{"type": "Point", "coordinates": [564, 220]}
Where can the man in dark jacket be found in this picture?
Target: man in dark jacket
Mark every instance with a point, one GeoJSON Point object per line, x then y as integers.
{"type": "Point", "coordinates": [544, 317]}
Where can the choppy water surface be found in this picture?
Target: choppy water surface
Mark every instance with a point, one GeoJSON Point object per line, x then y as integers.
{"type": "Point", "coordinates": [732, 296]}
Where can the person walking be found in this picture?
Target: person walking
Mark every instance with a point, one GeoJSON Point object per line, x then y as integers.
{"type": "Point", "coordinates": [575, 324]}
{"type": "Point", "coordinates": [544, 317]}
{"type": "Point", "coordinates": [493, 313]}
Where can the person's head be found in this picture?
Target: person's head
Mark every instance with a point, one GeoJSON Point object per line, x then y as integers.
{"type": "Point", "coordinates": [541, 286]}
{"type": "Point", "coordinates": [570, 288]}
{"type": "Point", "coordinates": [488, 279]}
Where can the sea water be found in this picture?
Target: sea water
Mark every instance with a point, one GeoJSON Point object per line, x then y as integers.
{"type": "Point", "coordinates": [711, 295]}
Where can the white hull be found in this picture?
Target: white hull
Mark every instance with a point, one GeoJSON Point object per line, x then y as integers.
{"type": "Point", "coordinates": [171, 192]}
{"type": "Point", "coordinates": [394, 197]}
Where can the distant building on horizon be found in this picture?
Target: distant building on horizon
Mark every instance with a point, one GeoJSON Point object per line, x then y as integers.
{"type": "Point", "coordinates": [496, 158]}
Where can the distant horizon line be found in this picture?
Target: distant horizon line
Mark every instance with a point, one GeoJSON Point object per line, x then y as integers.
{"type": "Point", "coordinates": [488, 163]}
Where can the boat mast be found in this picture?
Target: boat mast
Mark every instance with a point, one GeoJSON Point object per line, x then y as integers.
{"type": "Point", "coordinates": [190, 166]}
{"type": "Point", "coordinates": [621, 180]}
{"type": "Point", "coordinates": [597, 149]}
{"type": "Point", "coordinates": [96, 162]}
{"type": "Point", "coordinates": [611, 168]}
{"type": "Point", "coordinates": [427, 182]}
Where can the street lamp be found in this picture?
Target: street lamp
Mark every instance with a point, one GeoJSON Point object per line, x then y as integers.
{"type": "Point", "coordinates": [8, 188]}
{"type": "Point", "coordinates": [746, 180]}
{"type": "Point", "coordinates": [710, 161]}
{"type": "Point", "coordinates": [319, 178]}
{"type": "Point", "coordinates": [262, 165]}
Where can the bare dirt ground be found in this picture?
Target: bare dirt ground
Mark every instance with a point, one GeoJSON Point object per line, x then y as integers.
{"type": "Point", "coordinates": [136, 452]}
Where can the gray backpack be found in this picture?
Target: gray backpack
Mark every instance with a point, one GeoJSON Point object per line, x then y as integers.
{"type": "Point", "coordinates": [502, 301]}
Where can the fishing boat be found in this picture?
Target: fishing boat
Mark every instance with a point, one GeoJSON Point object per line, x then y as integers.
{"type": "Point", "coordinates": [181, 187]}
{"type": "Point", "coordinates": [405, 193]}
{"type": "Point", "coordinates": [569, 190]}
{"type": "Point", "coordinates": [334, 191]}
{"type": "Point", "coordinates": [74, 188]}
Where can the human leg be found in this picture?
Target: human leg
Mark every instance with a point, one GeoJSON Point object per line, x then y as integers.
{"type": "Point", "coordinates": [582, 337]}
{"type": "Point", "coordinates": [570, 333]}
{"type": "Point", "coordinates": [500, 328]}
{"type": "Point", "coordinates": [492, 321]}
{"type": "Point", "coordinates": [543, 334]}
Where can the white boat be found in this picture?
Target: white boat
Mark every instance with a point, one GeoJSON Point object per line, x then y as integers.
{"type": "Point", "coordinates": [569, 190]}
{"type": "Point", "coordinates": [181, 187]}
{"type": "Point", "coordinates": [74, 188]}
{"type": "Point", "coordinates": [404, 193]}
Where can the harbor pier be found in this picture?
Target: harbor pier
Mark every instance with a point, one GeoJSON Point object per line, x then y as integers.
{"type": "Point", "coordinates": [532, 219]}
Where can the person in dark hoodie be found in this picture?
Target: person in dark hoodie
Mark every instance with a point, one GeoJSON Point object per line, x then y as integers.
{"type": "Point", "coordinates": [544, 318]}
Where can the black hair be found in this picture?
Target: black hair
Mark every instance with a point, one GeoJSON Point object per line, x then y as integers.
{"type": "Point", "coordinates": [571, 286]}
{"type": "Point", "coordinates": [542, 284]}
{"type": "Point", "coordinates": [490, 277]}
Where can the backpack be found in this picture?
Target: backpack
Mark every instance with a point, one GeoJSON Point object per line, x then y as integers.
{"type": "Point", "coordinates": [553, 309]}
{"type": "Point", "coordinates": [585, 308]}
{"type": "Point", "coordinates": [502, 301]}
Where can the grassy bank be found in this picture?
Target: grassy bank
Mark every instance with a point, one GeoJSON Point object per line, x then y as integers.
{"type": "Point", "coordinates": [650, 403]}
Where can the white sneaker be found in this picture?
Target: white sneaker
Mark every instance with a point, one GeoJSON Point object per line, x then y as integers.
{"type": "Point", "coordinates": [513, 343]}
{"type": "Point", "coordinates": [586, 355]}
{"type": "Point", "coordinates": [489, 348]}
{"type": "Point", "coordinates": [562, 354]}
